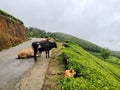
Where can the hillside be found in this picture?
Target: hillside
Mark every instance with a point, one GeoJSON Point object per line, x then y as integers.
{"type": "Point", "coordinates": [91, 73]}
{"type": "Point", "coordinates": [83, 43]}
{"type": "Point", "coordinates": [88, 46]}
{"type": "Point", "coordinates": [12, 30]}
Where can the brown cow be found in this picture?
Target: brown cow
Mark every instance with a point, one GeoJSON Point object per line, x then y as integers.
{"type": "Point", "coordinates": [69, 73]}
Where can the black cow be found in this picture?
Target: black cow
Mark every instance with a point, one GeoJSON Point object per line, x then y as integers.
{"type": "Point", "coordinates": [43, 46]}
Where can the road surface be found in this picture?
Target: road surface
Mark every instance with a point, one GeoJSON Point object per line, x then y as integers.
{"type": "Point", "coordinates": [12, 69]}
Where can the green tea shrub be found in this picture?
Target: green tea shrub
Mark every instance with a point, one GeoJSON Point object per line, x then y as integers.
{"type": "Point", "coordinates": [91, 73]}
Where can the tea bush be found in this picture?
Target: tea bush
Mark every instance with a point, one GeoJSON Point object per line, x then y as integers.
{"type": "Point", "coordinates": [91, 73]}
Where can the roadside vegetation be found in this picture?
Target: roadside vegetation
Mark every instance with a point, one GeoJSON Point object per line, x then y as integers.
{"type": "Point", "coordinates": [91, 73]}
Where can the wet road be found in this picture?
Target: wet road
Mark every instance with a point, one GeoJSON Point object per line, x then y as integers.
{"type": "Point", "coordinates": [11, 68]}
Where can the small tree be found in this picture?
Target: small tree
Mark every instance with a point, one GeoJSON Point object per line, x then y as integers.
{"type": "Point", "coordinates": [105, 53]}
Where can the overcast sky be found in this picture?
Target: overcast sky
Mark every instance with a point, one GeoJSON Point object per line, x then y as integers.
{"type": "Point", "coordinates": [97, 21]}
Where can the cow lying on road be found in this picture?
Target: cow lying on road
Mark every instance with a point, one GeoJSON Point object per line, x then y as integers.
{"type": "Point", "coordinates": [26, 53]}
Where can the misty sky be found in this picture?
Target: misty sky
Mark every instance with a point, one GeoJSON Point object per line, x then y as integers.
{"type": "Point", "coordinates": [97, 21]}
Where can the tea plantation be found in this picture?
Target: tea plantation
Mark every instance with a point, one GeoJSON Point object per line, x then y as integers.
{"type": "Point", "coordinates": [92, 73]}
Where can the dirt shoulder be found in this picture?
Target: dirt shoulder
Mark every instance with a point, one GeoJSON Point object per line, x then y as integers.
{"type": "Point", "coordinates": [55, 71]}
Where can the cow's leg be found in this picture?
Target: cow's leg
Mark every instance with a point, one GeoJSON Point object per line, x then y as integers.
{"type": "Point", "coordinates": [35, 58]}
{"type": "Point", "coordinates": [40, 52]}
{"type": "Point", "coordinates": [35, 52]}
{"type": "Point", "coordinates": [48, 54]}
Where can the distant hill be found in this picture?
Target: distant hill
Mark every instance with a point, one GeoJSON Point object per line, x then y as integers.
{"type": "Point", "coordinates": [115, 53]}
{"type": "Point", "coordinates": [12, 30]}
{"type": "Point", "coordinates": [89, 46]}
{"type": "Point", "coordinates": [83, 43]}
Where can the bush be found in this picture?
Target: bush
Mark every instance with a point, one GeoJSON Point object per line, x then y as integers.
{"type": "Point", "coordinates": [105, 53]}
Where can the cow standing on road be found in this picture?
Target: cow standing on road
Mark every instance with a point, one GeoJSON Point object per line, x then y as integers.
{"type": "Point", "coordinates": [43, 46]}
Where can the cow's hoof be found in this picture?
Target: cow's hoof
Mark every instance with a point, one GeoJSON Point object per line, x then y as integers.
{"type": "Point", "coordinates": [35, 60]}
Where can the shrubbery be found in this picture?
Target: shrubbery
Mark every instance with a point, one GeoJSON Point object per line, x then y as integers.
{"type": "Point", "coordinates": [91, 72]}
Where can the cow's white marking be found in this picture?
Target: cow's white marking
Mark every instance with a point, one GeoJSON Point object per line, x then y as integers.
{"type": "Point", "coordinates": [39, 46]}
